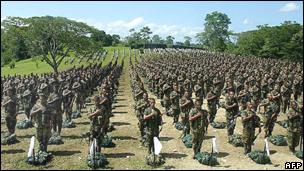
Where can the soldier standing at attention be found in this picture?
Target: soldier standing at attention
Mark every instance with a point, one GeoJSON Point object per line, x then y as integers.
{"type": "Point", "coordinates": [294, 126]}
{"type": "Point", "coordinates": [55, 100]}
{"type": "Point", "coordinates": [166, 98]}
{"type": "Point", "coordinates": [42, 115]}
{"type": "Point", "coordinates": [10, 105]}
{"type": "Point", "coordinates": [249, 125]}
{"type": "Point", "coordinates": [198, 121]}
{"type": "Point", "coordinates": [232, 110]}
{"type": "Point", "coordinates": [174, 97]}
{"type": "Point", "coordinates": [152, 116]}
{"type": "Point", "coordinates": [141, 105]}
{"type": "Point", "coordinates": [67, 101]}
{"type": "Point", "coordinates": [186, 104]}
{"type": "Point", "coordinates": [97, 123]}
{"type": "Point", "coordinates": [211, 104]}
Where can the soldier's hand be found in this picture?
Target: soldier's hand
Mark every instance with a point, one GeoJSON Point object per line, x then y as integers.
{"type": "Point", "coordinates": [260, 130]}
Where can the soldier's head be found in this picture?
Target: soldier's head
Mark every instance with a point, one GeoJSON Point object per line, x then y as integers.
{"type": "Point", "coordinates": [152, 102]}
{"type": "Point", "coordinates": [145, 96]}
{"type": "Point", "coordinates": [293, 104]}
{"type": "Point", "coordinates": [231, 94]}
{"type": "Point", "coordinates": [96, 100]}
{"type": "Point", "coordinates": [187, 94]}
{"type": "Point", "coordinates": [198, 104]}
{"type": "Point", "coordinates": [249, 105]}
{"type": "Point", "coordinates": [269, 96]}
{"type": "Point", "coordinates": [175, 86]}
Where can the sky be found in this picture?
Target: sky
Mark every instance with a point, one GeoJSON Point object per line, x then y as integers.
{"type": "Point", "coordinates": [178, 19]}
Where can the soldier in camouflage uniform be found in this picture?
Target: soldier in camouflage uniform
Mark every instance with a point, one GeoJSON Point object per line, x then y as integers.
{"type": "Point", "coordinates": [270, 116]}
{"type": "Point", "coordinates": [186, 104]}
{"type": "Point", "coordinates": [174, 97]}
{"type": "Point", "coordinates": [28, 99]}
{"type": "Point", "coordinates": [42, 116]}
{"type": "Point", "coordinates": [10, 105]}
{"type": "Point", "coordinates": [249, 125]}
{"type": "Point", "coordinates": [67, 101]}
{"type": "Point", "coordinates": [232, 110]}
{"type": "Point", "coordinates": [141, 104]}
{"type": "Point", "coordinates": [153, 119]}
{"type": "Point", "coordinates": [166, 98]}
{"type": "Point", "coordinates": [54, 101]}
{"type": "Point", "coordinates": [77, 94]}
{"type": "Point", "coordinates": [295, 121]}
{"type": "Point", "coordinates": [106, 104]}
{"type": "Point", "coordinates": [198, 121]}
{"type": "Point", "coordinates": [97, 122]}
{"type": "Point", "coordinates": [211, 104]}
{"type": "Point", "coordinates": [199, 91]}
{"type": "Point", "coordinates": [285, 97]}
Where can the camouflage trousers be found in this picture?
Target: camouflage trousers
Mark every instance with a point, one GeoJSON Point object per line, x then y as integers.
{"type": "Point", "coordinates": [198, 137]}
{"type": "Point", "coordinates": [268, 127]}
{"type": "Point", "coordinates": [285, 104]}
{"type": "Point", "coordinates": [186, 125]}
{"type": "Point", "coordinates": [27, 111]}
{"type": "Point", "coordinates": [68, 113]}
{"type": "Point", "coordinates": [95, 133]}
{"type": "Point", "coordinates": [141, 127]}
{"type": "Point", "coordinates": [43, 136]}
{"type": "Point", "coordinates": [231, 121]}
{"type": "Point", "coordinates": [175, 113]}
{"type": "Point", "coordinates": [248, 137]}
{"type": "Point", "coordinates": [293, 139]}
{"type": "Point", "coordinates": [212, 113]}
{"type": "Point", "coordinates": [150, 134]}
{"type": "Point", "coordinates": [11, 120]}
{"type": "Point", "coordinates": [57, 121]}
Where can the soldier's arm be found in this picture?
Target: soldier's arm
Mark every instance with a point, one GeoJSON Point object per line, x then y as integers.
{"type": "Point", "coordinates": [195, 117]}
{"type": "Point", "coordinates": [231, 106]}
{"type": "Point", "coordinates": [7, 102]}
{"type": "Point", "coordinates": [94, 113]}
{"type": "Point", "coordinates": [146, 117]}
{"type": "Point", "coordinates": [244, 118]}
{"type": "Point", "coordinates": [34, 111]}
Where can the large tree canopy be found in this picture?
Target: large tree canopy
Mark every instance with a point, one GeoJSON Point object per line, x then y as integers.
{"type": "Point", "coordinates": [216, 33]}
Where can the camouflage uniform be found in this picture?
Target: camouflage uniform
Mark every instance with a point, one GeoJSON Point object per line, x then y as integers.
{"type": "Point", "coordinates": [174, 96]}
{"type": "Point", "coordinates": [198, 129]}
{"type": "Point", "coordinates": [248, 129]}
{"type": "Point", "coordinates": [141, 105]}
{"type": "Point", "coordinates": [211, 104]}
{"type": "Point", "coordinates": [294, 128]}
{"type": "Point", "coordinates": [231, 115]}
{"type": "Point", "coordinates": [152, 129]}
{"type": "Point", "coordinates": [10, 105]}
{"type": "Point", "coordinates": [269, 115]}
{"type": "Point", "coordinates": [42, 115]}
{"type": "Point", "coordinates": [185, 113]}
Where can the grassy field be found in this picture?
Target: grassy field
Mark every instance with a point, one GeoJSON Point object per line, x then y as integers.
{"type": "Point", "coordinates": [28, 66]}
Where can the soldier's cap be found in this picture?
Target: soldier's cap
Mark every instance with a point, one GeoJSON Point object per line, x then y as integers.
{"type": "Point", "coordinates": [9, 87]}
{"type": "Point", "coordinates": [43, 86]}
{"type": "Point", "coordinates": [20, 85]}
{"type": "Point", "coordinates": [26, 93]}
{"type": "Point", "coordinates": [32, 82]}
{"type": "Point", "coordinates": [166, 87]}
{"type": "Point", "coordinates": [139, 93]}
{"type": "Point", "coordinates": [180, 79]}
{"type": "Point", "coordinates": [196, 88]}
{"type": "Point", "coordinates": [41, 93]}
{"type": "Point", "coordinates": [187, 81]}
{"type": "Point", "coordinates": [52, 80]}
{"type": "Point", "coordinates": [76, 85]}
{"type": "Point", "coordinates": [66, 92]}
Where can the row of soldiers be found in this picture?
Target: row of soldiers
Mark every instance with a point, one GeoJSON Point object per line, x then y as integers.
{"type": "Point", "coordinates": [45, 98]}
{"type": "Point", "coordinates": [241, 85]}
{"type": "Point", "coordinates": [149, 117]}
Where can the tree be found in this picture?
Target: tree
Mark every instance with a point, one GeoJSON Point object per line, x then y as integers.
{"type": "Point", "coordinates": [216, 34]}
{"type": "Point", "coordinates": [157, 39]}
{"type": "Point", "coordinates": [179, 43]}
{"type": "Point", "coordinates": [145, 33]}
{"type": "Point", "coordinates": [169, 41]}
{"type": "Point", "coordinates": [55, 37]}
{"type": "Point", "coordinates": [115, 39]}
{"type": "Point", "coordinates": [187, 41]}
{"type": "Point", "coordinates": [13, 40]}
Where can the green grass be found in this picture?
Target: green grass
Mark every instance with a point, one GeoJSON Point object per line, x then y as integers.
{"type": "Point", "coordinates": [28, 66]}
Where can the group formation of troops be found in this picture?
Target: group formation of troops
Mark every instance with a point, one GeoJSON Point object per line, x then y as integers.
{"type": "Point", "coordinates": [46, 98]}
{"type": "Point", "coordinates": [255, 89]}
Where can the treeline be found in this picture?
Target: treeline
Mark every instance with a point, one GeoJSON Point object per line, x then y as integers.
{"type": "Point", "coordinates": [278, 42]}
{"type": "Point", "coordinates": [144, 39]}
{"type": "Point", "coordinates": [22, 37]}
